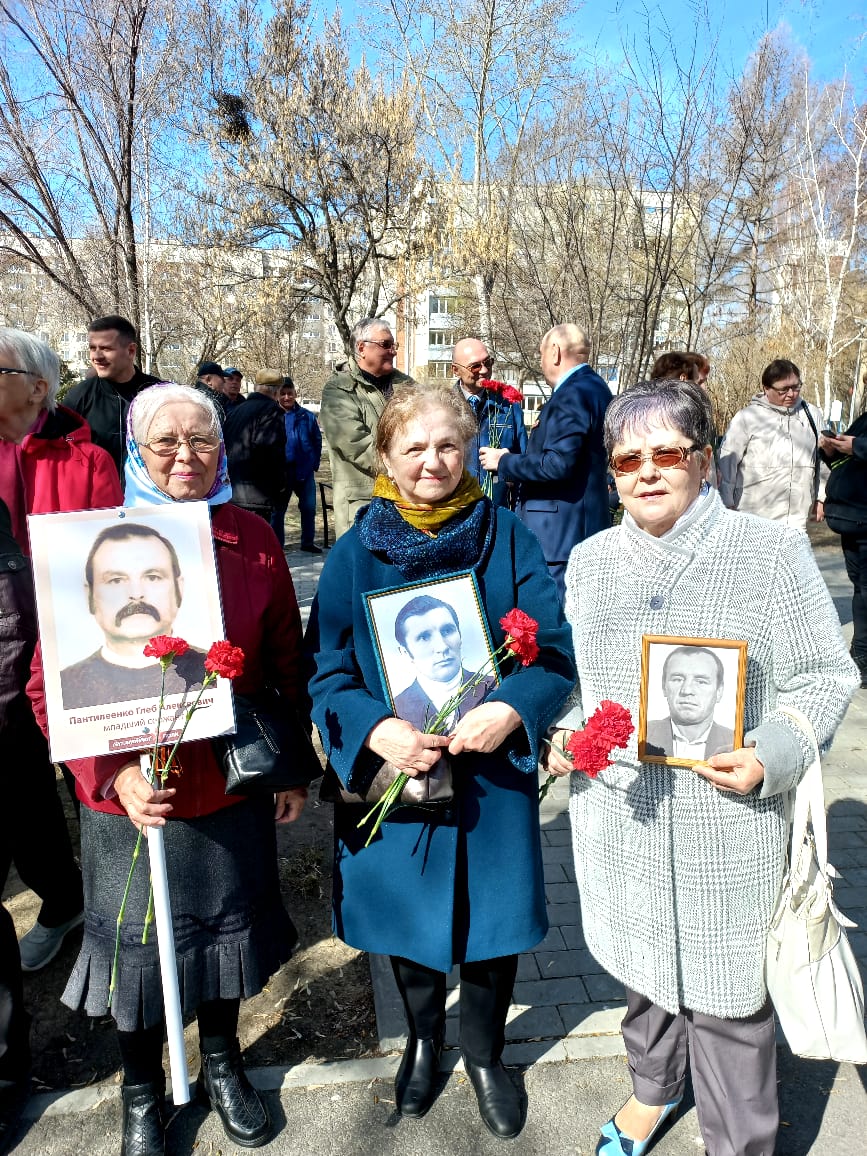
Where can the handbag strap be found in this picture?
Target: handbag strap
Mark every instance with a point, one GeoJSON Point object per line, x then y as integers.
{"type": "Point", "coordinates": [809, 803]}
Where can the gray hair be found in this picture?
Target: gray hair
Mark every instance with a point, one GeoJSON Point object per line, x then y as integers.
{"type": "Point", "coordinates": [35, 357]}
{"type": "Point", "coordinates": [683, 405]}
{"type": "Point", "coordinates": [147, 404]}
{"type": "Point", "coordinates": [362, 330]}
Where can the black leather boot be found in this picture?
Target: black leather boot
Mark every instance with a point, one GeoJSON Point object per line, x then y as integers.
{"type": "Point", "coordinates": [416, 1081]}
{"type": "Point", "coordinates": [224, 1083]}
{"type": "Point", "coordinates": [499, 1099]}
{"type": "Point", "coordinates": [144, 1119]}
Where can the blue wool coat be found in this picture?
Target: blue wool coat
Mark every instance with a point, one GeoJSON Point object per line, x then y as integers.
{"type": "Point", "coordinates": [411, 892]}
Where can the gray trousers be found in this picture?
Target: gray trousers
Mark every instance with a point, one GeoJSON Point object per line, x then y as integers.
{"type": "Point", "coordinates": [733, 1065]}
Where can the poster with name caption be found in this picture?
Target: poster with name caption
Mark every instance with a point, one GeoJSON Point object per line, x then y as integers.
{"type": "Point", "coordinates": [107, 581]}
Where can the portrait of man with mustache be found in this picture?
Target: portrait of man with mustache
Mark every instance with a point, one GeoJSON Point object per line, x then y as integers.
{"type": "Point", "coordinates": [134, 589]}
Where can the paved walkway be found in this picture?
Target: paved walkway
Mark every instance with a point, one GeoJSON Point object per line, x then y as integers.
{"type": "Point", "coordinates": [563, 1024]}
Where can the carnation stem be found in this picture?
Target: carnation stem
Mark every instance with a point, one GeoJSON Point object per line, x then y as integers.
{"type": "Point", "coordinates": [149, 915]}
{"type": "Point", "coordinates": [120, 914]}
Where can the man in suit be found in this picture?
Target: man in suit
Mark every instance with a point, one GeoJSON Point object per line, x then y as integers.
{"type": "Point", "coordinates": [429, 636]}
{"type": "Point", "coordinates": [563, 495]}
{"type": "Point", "coordinates": [501, 422]}
{"type": "Point", "coordinates": [692, 681]}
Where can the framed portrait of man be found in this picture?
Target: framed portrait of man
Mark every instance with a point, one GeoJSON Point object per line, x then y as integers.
{"type": "Point", "coordinates": [692, 698]}
{"type": "Point", "coordinates": [107, 581]}
{"type": "Point", "coordinates": [432, 638]}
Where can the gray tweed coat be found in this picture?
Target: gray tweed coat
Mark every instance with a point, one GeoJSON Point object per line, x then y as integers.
{"type": "Point", "coordinates": [677, 879]}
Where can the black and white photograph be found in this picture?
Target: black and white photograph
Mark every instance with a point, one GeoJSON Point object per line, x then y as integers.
{"type": "Point", "coordinates": [431, 638]}
{"type": "Point", "coordinates": [106, 583]}
{"type": "Point", "coordinates": [692, 698]}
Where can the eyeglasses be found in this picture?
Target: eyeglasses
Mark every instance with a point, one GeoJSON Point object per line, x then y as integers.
{"type": "Point", "coordinates": [167, 447]}
{"type": "Point", "coordinates": [475, 366]}
{"type": "Point", "coordinates": [664, 458]}
{"type": "Point", "coordinates": [24, 372]}
{"type": "Point", "coordinates": [784, 388]}
{"type": "Point", "coordinates": [388, 346]}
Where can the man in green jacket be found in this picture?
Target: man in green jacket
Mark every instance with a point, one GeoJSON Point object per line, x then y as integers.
{"type": "Point", "coordinates": [353, 399]}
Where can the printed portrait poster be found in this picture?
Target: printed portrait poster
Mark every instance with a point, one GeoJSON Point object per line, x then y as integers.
{"type": "Point", "coordinates": [106, 582]}
{"type": "Point", "coordinates": [692, 698]}
{"type": "Point", "coordinates": [430, 639]}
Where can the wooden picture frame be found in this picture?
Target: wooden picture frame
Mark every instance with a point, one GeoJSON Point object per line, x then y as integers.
{"type": "Point", "coordinates": [692, 693]}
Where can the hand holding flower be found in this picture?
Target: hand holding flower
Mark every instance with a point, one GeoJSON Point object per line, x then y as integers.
{"type": "Point", "coordinates": [484, 728]}
{"type": "Point", "coordinates": [408, 749]}
{"type": "Point", "coordinates": [145, 806]}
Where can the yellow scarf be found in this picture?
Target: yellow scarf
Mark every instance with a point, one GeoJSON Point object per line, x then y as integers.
{"type": "Point", "coordinates": [429, 519]}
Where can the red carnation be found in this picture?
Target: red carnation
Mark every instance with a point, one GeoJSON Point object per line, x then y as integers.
{"type": "Point", "coordinates": [589, 752]}
{"type": "Point", "coordinates": [613, 721]}
{"type": "Point", "coordinates": [521, 631]}
{"type": "Point", "coordinates": [510, 394]}
{"type": "Point", "coordinates": [165, 646]}
{"type": "Point", "coordinates": [608, 727]}
{"type": "Point", "coordinates": [225, 660]}
{"type": "Point", "coordinates": [494, 386]}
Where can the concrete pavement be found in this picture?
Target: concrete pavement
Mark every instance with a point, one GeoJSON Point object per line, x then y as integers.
{"type": "Point", "coordinates": [563, 1025]}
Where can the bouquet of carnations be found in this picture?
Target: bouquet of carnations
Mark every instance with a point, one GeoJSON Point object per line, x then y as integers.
{"type": "Point", "coordinates": [520, 643]}
{"type": "Point", "coordinates": [495, 426]}
{"type": "Point", "coordinates": [590, 749]}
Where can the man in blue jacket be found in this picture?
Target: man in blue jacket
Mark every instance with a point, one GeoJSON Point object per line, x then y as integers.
{"type": "Point", "coordinates": [303, 454]}
{"type": "Point", "coordinates": [563, 495]}
{"type": "Point", "coordinates": [501, 422]}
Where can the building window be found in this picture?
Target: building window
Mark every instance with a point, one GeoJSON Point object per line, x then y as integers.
{"type": "Point", "coordinates": [442, 304]}
{"type": "Point", "coordinates": [439, 337]}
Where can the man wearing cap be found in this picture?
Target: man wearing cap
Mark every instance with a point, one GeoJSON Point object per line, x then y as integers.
{"type": "Point", "coordinates": [255, 439]}
{"type": "Point", "coordinates": [353, 399]}
{"type": "Point", "coordinates": [209, 381]}
{"type": "Point", "coordinates": [232, 396]}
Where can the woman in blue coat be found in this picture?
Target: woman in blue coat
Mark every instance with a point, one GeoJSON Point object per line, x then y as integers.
{"type": "Point", "coordinates": [464, 884]}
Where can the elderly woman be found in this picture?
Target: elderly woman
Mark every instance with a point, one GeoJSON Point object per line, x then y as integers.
{"type": "Point", "coordinates": [679, 867]}
{"type": "Point", "coordinates": [231, 930]}
{"type": "Point", "coordinates": [47, 464]}
{"type": "Point", "coordinates": [462, 885]}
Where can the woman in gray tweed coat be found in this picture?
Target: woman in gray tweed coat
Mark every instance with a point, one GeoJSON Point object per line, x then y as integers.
{"type": "Point", "coordinates": [678, 867]}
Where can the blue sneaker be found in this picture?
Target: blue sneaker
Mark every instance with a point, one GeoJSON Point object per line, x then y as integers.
{"type": "Point", "coordinates": [613, 1142]}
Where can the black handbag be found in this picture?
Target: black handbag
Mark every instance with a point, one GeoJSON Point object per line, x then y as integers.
{"type": "Point", "coordinates": [271, 749]}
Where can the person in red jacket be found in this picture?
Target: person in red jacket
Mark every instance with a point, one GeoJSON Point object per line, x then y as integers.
{"type": "Point", "coordinates": [231, 929]}
{"type": "Point", "coordinates": [47, 464]}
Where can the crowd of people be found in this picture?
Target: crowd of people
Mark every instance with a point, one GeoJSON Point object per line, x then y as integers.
{"type": "Point", "coordinates": [436, 488]}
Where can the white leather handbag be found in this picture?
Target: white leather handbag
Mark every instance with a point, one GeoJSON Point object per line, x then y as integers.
{"type": "Point", "coordinates": [811, 973]}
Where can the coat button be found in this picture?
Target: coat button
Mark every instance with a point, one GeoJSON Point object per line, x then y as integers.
{"type": "Point", "coordinates": [656, 602]}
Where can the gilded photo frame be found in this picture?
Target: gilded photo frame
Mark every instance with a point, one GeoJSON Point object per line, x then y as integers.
{"type": "Point", "coordinates": [692, 694]}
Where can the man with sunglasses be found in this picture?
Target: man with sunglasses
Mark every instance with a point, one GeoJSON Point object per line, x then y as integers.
{"type": "Point", "coordinates": [769, 460]}
{"type": "Point", "coordinates": [563, 491]}
{"type": "Point", "coordinates": [353, 399]}
{"type": "Point", "coordinates": [501, 423]}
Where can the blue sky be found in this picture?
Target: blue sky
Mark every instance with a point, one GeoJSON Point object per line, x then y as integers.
{"type": "Point", "coordinates": [833, 34]}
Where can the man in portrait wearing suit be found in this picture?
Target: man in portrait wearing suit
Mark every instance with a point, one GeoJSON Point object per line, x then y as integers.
{"type": "Point", "coordinates": [692, 682]}
{"type": "Point", "coordinates": [563, 494]}
{"type": "Point", "coordinates": [428, 634]}
{"type": "Point", "coordinates": [134, 590]}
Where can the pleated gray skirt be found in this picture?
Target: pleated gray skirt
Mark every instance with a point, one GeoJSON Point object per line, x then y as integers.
{"type": "Point", "coordinates": [231, 929]}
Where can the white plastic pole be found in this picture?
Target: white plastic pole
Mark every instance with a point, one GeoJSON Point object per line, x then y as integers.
{"type": "Point", "coordinates": [168, 963]}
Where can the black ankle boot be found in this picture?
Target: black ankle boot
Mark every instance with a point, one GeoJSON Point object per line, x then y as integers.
{"type": "Point", "coordinates": [416, 1080]}
{"type": "Point", "coordinates": [224, 1083]}
{"type": "Point", "coordinates": [499, 1099]}
{"type": "Point", "coordinates": [144, 1108]}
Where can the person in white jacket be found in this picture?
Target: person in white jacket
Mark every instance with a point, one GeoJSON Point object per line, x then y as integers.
{"type": "Point", "coordinates": [769, 462]}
